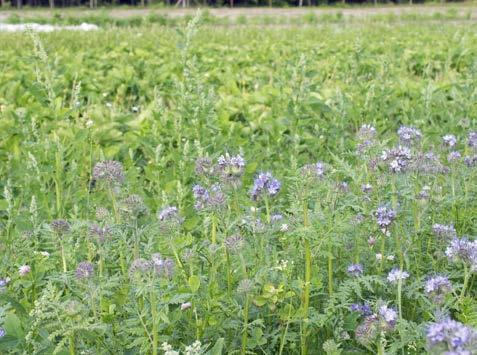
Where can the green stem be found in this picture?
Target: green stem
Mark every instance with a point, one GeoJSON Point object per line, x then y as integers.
{"type": "Point", "coordinates": [466, 282]}
{"type": "Point", "coordinates": [245, 326]}
{"type": "Point", "coordinates": [72, 345]}
{"type": "Point", "coordinates": [155, 335]}
{"type": "Point", "coordinates": [63, 258]}
{"type": "Point", "coordinates": [267, 209]}
{"type": "Point", "coordinates": [330, 269]}
{"type": "Point", "coordinates": [306, 293]}
{"type": "Point", "coordinates": [399, 295]}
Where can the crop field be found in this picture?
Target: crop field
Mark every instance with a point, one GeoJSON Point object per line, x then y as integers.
{"type": "Point", "coordinates": [203, 188]}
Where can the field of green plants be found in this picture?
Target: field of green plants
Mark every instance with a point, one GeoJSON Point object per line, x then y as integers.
{"type": "Point", "coordinates": [205, 189]}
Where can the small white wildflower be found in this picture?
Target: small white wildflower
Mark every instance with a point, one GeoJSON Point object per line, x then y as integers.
{"type": "Point", "coordinates": [135, 109]}
{"type": "Point", "coordinates": [284, 227]}
{"type": "Point", "coordinates": [24, 270]}
{"type": "Point", "coordinates": [109, 104]}
{"type": "Point", "coordinates": [194, 349]}
{"type": "Point", "coordinates": [253, 209]}
{"type": "Point", "coordinates": [185, 306]}
{"type": "Point", "coordinates": [89, 124]}
{"type": "Point", "coordinates": [379, 256]}
{"type": "Point", "coordinates": [168, 349]}
{"type": "Point", "coordinates": [390, 258]}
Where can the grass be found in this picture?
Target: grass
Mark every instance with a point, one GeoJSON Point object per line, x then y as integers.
{"type": "Point", "coordinates": [173, 246]}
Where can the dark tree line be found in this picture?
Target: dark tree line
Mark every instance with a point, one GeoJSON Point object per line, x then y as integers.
{"type": "Point", "coordinates": [181, 3]}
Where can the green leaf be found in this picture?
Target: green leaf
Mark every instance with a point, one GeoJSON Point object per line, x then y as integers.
{"type": "Point", "coordinates": [217, 348]}
{"type": "Point", "coordinates": [194, 283]}
{"type": "Point", "coordinates": [13, 326]}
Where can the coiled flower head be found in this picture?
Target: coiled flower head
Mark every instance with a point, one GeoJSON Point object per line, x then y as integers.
{"type": "Point", "coordinates": [84, 270]}
{"type": "Point", "coordinates": [139, 267]}
{"type": "Point", "coordinates": [409, 135]}
{"type": "Point", "coordinates": [231, 168]}
{"type": "Point", "coordinates": [134, 206]}
{"type": "Point", "coordinates": [463, 250]}
{"type": "Point", "coordinates": [204, 166]}
{"type": "Point", "coordinates": [169, 218]}
{"type": "Point", "coordinates": [205, 199]}
{"type": "Point", "coordinates": [355, 270]}
{"type": "Point", "coordinates": [110, 171]}
{"type": "Point", "coordinates": [162, 267]}
{"type": "Point", "coordinates": [234, 243]}
{"type": "Point", "coordinates": [314, 171]}
{"type": "Point", "coordinates": [396, 275]}
{"type": "Point", "coordinates": [99, 233]}
{"type": "Point", "coordinates": [472, 139]}
{"type": "Point", "coordinates": [437, 287]}
{"type": "Point", "coordinates": [444, 231]}
{"type": "Point", "coordinates": [449, 140]}
{"type": "Point", "coordinates": [60, 226]}
{"type": "Point", "coordinates": [398, 159]}
{"type": "Point", "coordinates": [385, 217]}
{"type": "Point", "coordinates": [265, 184]}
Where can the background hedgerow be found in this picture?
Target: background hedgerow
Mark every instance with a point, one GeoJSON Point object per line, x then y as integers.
{"type": "Point", "coordinates": [272, 191]}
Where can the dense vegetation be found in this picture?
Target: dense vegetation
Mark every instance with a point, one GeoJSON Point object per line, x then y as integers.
{"type": "Point", "coordinates": [272, 190]}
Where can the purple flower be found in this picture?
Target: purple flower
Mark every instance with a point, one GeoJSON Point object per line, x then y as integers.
{"type": "Point", "coordinates": [366, 135]}
{"type": "Point", "coordinates": [471, 161]}
{"type": "Point", "coordinates": [84, 270]}
{"type": "Point", "coordinates": [364, 309]}
{"type": "Point", "coordinates": [139, 266]}
{"type": "Point", "coordinates": [444, 231]}
{"type": "Point", "coordinates": [398, 159]}
{"type": "Point", "coordinates": [3, 283]}
{"type": "Point", "coordinates": [265, 183]}
{"type": "Point", "coordinates": [2, 332]}
{"type": "Point", "coordinates": [100, 233]}
{"type": "Point", "coordinates": [408, 135]}
{"type": "Point", "coordinates": [355, 270]}
{"type": "Point", "coordinates": [424, 194]}
{"type": "Point", "coordinates": [385, 216]}
{"type": "Point", "coordinates": [453, 156]}
{"type": "Point", "coordinates": [437, 287]}
{"type": "Point", "coordinates": [463, 250]}
{"type": "Point", "coordinates": [316, 170]}
{"type": "Point", "coordinates": [449, 140]}
{"type": "Point", "coordinates": [234, 243]}
{"type": "Point", "coordinates": [388, 315]}
{"type": "Point", "coordinates": [205, 199]}
{"type": "Point", "coordinates": [449, 335]}
{"type": "Point", "coordinates": [169, 218]}
{"type": "Point", "coordinates": [230, 168]}
{"type": "Point", "coordinates": [367, 188]}
{"type": "Point", "coordinates": [162, 267]}
{"type": "Point", "coordinates": [428, 163]}
{"type": "Point", "coordinates": [110, 171]}
{"type": "Point", "coordinates": [396, 275]}
{"type": "Point", "coordinates": [204, 166]}
{"type": "Point", "coordinates": [472, 139]}
{"type": "Point", "coordinates": [60, 226]}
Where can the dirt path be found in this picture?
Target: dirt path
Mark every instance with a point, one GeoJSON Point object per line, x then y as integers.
{"type": "Point", "coordinates": [253, 12]}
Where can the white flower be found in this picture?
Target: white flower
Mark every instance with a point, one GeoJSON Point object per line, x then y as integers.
{"type": "Point", "coordinates": [390, 258]}
{"type": "Point", "coordinates": [379, 256]}
{"type": "Point", "coordinates": [253, 209]}
{"type": "Point", "coordinates": [194, 349]}
{"type": "Point", "coordinates": [168, 349]}
{"type": "Point", "coordinates": [284, 227]}
{"type": "Point", "coordinates": [89, 124]}
{"type": "Point", "coordinates": [185, 306]}
{"type": "Point", "coordinates": [24, 270]}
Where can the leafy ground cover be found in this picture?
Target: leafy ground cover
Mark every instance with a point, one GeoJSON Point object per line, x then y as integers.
{"type": "Point", "coordinates": [255, 190]}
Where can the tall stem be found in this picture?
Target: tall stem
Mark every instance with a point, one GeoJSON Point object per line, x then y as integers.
{"type": "Point", "coordinates": [155, 335]}
{"type": "Point", "coordinates": [306, 293]}
{"type": "Point", "coordinates": [245, 326]}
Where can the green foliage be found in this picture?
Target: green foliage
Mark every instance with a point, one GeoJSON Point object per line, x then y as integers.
{"type": "Point", "coordinates": [158, 98]}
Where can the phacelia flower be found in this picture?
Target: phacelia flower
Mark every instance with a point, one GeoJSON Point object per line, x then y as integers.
{"type": "Point", "coordinates": [451, 337]}
{"type": "Point", "coordinates": [265, 183]}
{"type": "Point", "coordinates": [234, 243]}
{"type": "Point", "coordinates": [463, 250]}
{"type": "Point", "coordinates": [134, 206]}
{"type": "Point", "coordinates": [444, 231]}
{"type": "Point", "coordinates": [396, 275]}
{"type": "Point", "coordinates": [139, 267]}
{"type": "Point", "coordinates": [385, 217]}
{"type": "Point", "coordinates": [453, 156]}
{"type": "Point", "coordinates": [204, 166]}
{"type": "Point", "coordinates": [364, 309]}
{"type": "Point", "coordinates": [437, 287]}
{"type": "Point", "coordinates": [424, 194]}
{"type": "Point", "coordinates": [84, 270]}
{"type": "Point", "coordinates": [449, 140]}
{"type": "Point", "coordinates": [245, 286]}
{"type": "Point", "coordinates": [205, 199]}
{"type": "Point", "coordinates": [162, 267]}
{"type": "Point", "coordinates": [101, 213]}
{"type": "Point", "coordinates": [375, 324]}
{"type": "Point", "coordinates": [367, 188]}
{"type": "Point", "coordinates": [100, 233]}
{"type": "Point", "coordinates": [398, 159]}
{"type": "Point", "coordinates": [169, 218]}
{"type": "Point", "coordinates": [409, 135]}
{"type": "Point", "coordinates": [60, 226]}
{"type": "Point", "coordinates": [24, 270]}
{"type": "Point", "coordinates": [231, 168]}
{"type": "Point", "coordinates": [110, 171]}
{"type": "Point", "coordinates": [471, 161]}
{"type": "Point", "coordinates": [316, 170]}
{"type": "Point", "coordinates": [365, 136]}
{"type": "Point", "coordinates": [355, 270]}
{"type": "Point", "coordinates": [428, 163]}
{"type": "Point", "coordinates": [2, 332]}
{"type": "Point", "coordinates": [3, 284]}
{"type": "Point", "coordinates": [472, 139]}
{"type": "Point", "coordinates": [389, 315]}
